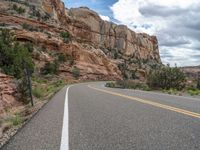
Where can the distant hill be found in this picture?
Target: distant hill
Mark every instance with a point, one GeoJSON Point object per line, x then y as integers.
{"type": "Point", "coordinates": [192, 72]}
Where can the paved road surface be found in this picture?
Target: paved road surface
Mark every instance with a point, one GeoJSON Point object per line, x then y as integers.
{"type": "Point", "coordinates": [113, 119]}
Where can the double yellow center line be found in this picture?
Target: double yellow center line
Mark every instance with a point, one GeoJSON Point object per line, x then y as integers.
{"type": "Point", "coordinates": [155, 104]}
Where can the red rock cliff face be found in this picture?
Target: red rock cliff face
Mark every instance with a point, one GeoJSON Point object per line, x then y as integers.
{"type": "Point", "coordinates": [101, 49]}
{"type": "Point", "coordinates": [7, 92]}
{"type": "Point", "coordinates": [86, 24]}
{"type": "Point", "coordinates": [111, 36]}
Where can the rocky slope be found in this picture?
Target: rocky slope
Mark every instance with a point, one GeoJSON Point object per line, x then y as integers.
{"type": "Point", "coordinates": [8, 92]}
{"type": "Point", "coordinates": [101, 50]}
{"type": "Point", "coordinates": [193, 72]}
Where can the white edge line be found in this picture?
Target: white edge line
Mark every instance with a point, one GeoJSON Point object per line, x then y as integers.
{"type": "Point", "coordinates": [65, 129]}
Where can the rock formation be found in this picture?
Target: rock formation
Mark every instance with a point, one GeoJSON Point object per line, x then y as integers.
{"type": "Point", "coordinates": [7, 92]}
{"type": "Point", "coordinates": [101, 50]}
{"type": "Point", "coordinates": [193, 73]}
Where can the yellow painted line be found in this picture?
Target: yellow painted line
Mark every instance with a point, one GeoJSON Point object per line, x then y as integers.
{"type": "Point", "coordinates": [144, 101]}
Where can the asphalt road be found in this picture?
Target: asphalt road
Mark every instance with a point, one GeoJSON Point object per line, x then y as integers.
{"type": "Point", "coordinates": [113, 119]}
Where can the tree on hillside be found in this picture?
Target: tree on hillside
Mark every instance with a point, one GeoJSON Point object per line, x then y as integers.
{"type": "Point", "coordinates": [15, 57]}
{"type": "Point", "coordinates": [166, 78]}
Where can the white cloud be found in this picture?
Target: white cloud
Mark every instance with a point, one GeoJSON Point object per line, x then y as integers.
{"type": "Point", "coordinates": [179, 56]}
{"type": "Point", "coordinates": [106, 18]}
{"type": "Point", "coordinates": [174, 22]}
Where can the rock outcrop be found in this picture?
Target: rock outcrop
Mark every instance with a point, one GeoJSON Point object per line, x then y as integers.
{"type": "Point", "coordinates": [193, 73]}
{"type": "Point", "coordinates": [8, 92]}
{"type": "Point", "coordinates": [101, 50]}
{"type": "Point", "coordinates": [111, 36]}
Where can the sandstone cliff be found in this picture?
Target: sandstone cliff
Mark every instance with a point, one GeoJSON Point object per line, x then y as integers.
{"type": "Point", "coordinates": [101, 50]}
{"type": "Point", "coordinates": [7, 92]}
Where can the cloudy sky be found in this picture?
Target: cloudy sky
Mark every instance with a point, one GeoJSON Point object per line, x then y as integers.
{"type": "Point", "coordinates": [176, 23]}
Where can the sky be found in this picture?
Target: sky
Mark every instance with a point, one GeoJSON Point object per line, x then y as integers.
{"type": "Point", "coordinates": [176, 23]}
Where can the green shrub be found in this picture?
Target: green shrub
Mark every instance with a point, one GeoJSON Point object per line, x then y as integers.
{"type": "Point", "coordinates": [123, 68]}
{"type": "Point", "coordinates": [46, 17]}
{"type": "Point", "coordinates": [128, 84]}
{"type": "Point", "coordinates": [171, 91]}
{"type": "Point", "coordinates": [110, 84]}
{"type": "Point", "coordinates": [16, 120]}
{"type": "Point", "coordinates": [61, 57]}
{"type": "Point", "coordinates": [191, 87]}
{"type": "Point", "coordinates": [29, 46]}
{"type": "Point", "coordinates": [76, 72]}
{"type": "Point", "coordinates": [20, 2]}
{"type": "Point", "coordinates": [191, 92]}
{"type": "Point", "coordinates": [38, 92]}
{"type": "Point", "coordinates": [194, 92]}
{"type": "Point", "coordinates": [14, 56]}
{"type": "Point", "coordinates": [19, 10]}
{"type": "Point", "coordinates": [166, 78]}
{"type": "Point", "coordinates": [39, 80]}
{"type": "Point", "coordinates": [131, 84]}
{"type": "Point", "coordinates": [50, 68]}
{"type": "Point", "coordinates": [59, 83]}
{"type": "Point", "coordinates": [65, 36]}
{"type": "Point", "coordinates": [15, 7]}
{"type": "Point", "coordinates": [14, 59]}
{"type": "Point", "coordinates": [35, 12]}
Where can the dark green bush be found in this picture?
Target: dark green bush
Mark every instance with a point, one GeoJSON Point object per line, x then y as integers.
{"type": "Point", "coordinates": [19, 10]}
{"type": "Point", "coordinates": [128, 84]}
{"type": "Point", "coordinates": [61, 57]}
{"type": "Point", "coordinates": [110, 84]}
{"type": "Point", "coordinates": [131, 84]}
{"type": "Point", "coordinates": [29, 46]}
{"type": "Point", "coordinates": [14, 56]}
{"type": "Point", "coordinates": [20, 2]}
{"type": "Point", "coordinates": [16, 120]}
{"type": "Point", "coordinates": [65, 36]}
{"type": "Point", "coordinates": [50, 68]}
{"type": "Point", "coordinates": [15, 7]}
{"type": "Point", "coordinates": [38, 92]}
{"type": "Point", "coordinates": [35, 12]}
{"type": "Point", "coordinates": [166, 78]}
{"type": "Point", "coordinates": [46, 17]}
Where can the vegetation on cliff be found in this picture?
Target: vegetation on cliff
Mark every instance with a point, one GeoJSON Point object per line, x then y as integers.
{"type": "Point", "coordinates": [171, 80]}
{"type": "Point", "coordinates": [14, 56]}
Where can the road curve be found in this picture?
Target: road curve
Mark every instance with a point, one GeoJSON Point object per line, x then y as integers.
{"type": "Point", "coordinates": [113, 119]}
